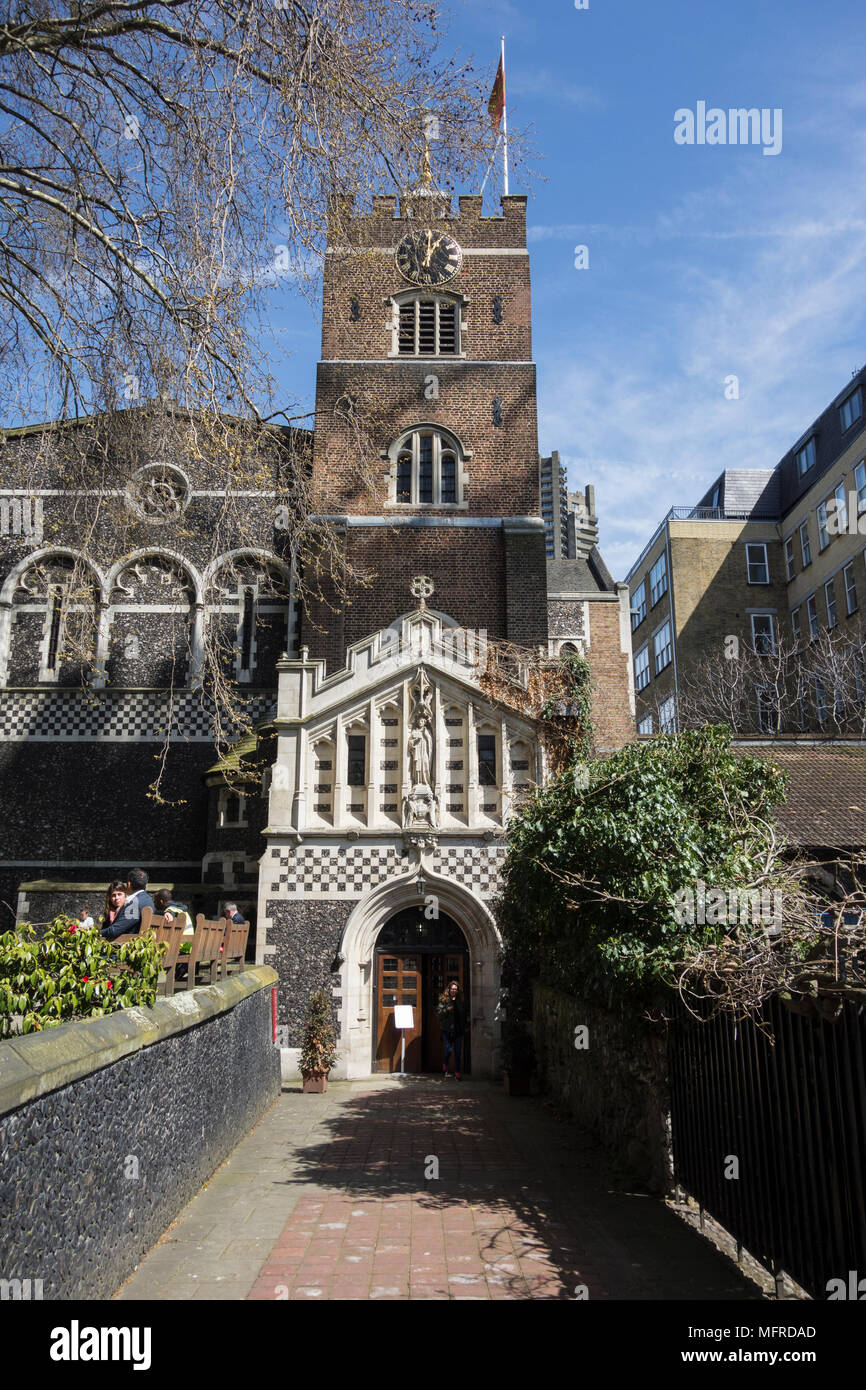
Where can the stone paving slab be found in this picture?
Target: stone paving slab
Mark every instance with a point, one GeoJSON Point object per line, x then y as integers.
{"type": "Point", "coordinates": [337, 1197]}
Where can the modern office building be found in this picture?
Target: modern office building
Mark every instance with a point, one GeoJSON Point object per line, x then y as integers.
{"type": "Point", "coordinates": [766, 556]}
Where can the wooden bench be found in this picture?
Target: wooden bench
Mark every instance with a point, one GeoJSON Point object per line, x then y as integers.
{"type": "Point", "coordinates": [235, 947]}
{"type": "Point", "coordinates": [205, 953]}
{"type": "Point", "coordinates": [172, 934]}
{"type": "Point", "coordinates": [144, 926]}
{"type": "Point", "coordinates": [156, 926]}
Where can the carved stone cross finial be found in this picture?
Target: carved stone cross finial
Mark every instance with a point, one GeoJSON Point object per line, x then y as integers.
{"type": "Point", "coordinates": [422, 588]}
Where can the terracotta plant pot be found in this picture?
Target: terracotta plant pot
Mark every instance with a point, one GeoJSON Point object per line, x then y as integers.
{"type": "Point", "coordinates": [315, 1082]}
{"type": "Point", "coordinates": [516, 1083]}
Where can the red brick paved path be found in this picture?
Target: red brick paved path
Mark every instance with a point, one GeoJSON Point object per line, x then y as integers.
{"type": "Point", "coordinates": [517, 1211]}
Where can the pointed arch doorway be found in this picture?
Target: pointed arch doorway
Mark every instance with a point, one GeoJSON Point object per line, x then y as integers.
{"type": "Point", "coordinates": [415, 960]}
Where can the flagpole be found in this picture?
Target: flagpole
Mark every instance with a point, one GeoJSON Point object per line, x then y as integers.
{"type": "Point", "coordinates": [504, 124]}
{"type": "Point", "coordinates": [490, 165]}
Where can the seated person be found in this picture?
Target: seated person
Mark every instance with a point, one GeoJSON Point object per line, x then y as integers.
{"type": "Point", "coordinates": [128, 919]}
{"type": "Point", "coordinates": [84, 917]}
{"type": "Point", "coordinates": [172, 911]}
{"type": "Point", "coordinates": [114, 901]}
{"type": "Point", "coordinates": [231, 914]}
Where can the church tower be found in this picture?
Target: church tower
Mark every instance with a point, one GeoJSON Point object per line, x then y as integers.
{"type": "Point", "coordinates": [397, 766]}
{"type": "Point", "coordinates": [426, 326]}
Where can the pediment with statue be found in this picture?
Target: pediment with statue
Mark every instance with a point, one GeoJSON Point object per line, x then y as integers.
{"type": "Point", "coordinates": [402, 740]}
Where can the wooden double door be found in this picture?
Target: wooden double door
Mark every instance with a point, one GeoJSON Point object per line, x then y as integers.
{"type": "Point", "coordinates": [415, 977]}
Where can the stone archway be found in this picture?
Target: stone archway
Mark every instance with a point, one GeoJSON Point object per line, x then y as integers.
{"type": "Point", "coordinates": [358, 949]}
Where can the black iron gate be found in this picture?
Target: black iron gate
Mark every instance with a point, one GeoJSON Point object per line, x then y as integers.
{"type": "Point", "coordinates": [770, 1136]}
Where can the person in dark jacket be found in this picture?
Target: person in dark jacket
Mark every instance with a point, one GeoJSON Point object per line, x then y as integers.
{"type": "Point", "coordinates": [114, 900]}
{"type": "Point", "coordinates": [128, 919]}
{"type": "Point", "coordinates": [452, 1025]}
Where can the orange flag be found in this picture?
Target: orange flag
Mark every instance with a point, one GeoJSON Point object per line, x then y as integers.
{"type": "Point", "coordinates": [496, 104]}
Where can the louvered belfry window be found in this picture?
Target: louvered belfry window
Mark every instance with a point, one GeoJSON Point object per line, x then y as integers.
{"type": "Point", "coordinates": [428, 328]}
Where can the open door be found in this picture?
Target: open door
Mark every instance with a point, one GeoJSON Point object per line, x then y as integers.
{"type": "Point", "coordinates": [399, 982]}
{"type": "Point", "coordinates": [416, 960]}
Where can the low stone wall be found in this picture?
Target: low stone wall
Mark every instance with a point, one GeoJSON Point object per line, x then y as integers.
{"type": "Point", "coordinates": [615, 1086]}
{"type": "Point", "coordinates": [109, 1126]}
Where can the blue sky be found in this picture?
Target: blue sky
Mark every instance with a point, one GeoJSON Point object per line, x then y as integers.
{"type": "Point", "coordinates": [705, 261]}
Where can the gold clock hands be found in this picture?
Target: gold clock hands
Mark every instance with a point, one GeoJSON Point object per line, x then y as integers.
{"type": "Point", "coordinates": [429, 249]}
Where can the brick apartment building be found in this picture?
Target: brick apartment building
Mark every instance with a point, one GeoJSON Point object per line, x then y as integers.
{"type": "Point", "coordinates": [380, 775]}
{"type": "Point", "coordinates": [767, 556]}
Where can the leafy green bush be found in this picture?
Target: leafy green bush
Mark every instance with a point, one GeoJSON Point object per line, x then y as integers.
{"type": "Point", "coordinates": [596, 857]}
{"type": "Point", "coordinates": [71, 972]}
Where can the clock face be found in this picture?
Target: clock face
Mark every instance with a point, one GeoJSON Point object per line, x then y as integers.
{"type": "Point", "coordinates": [429, 258]}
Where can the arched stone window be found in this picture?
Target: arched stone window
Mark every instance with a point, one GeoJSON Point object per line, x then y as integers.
{"type": "Point", "coordinates": [251, 615]}
{"type": "Point", "coordinates": [427, 469]}
{"type": "Point", "coordinates": [53, 622]}
{"type": "Point", "coordinates": [150, 641]}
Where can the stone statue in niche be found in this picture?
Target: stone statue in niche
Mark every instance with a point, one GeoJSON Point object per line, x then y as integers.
{"type": "Point", "coordinates": [421, 749]}
{"type": "Point", "coordinates": [420, 806]}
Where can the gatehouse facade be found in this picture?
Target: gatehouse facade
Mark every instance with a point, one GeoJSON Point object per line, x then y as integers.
{"type": "Point", "coordinates": [362, 824]}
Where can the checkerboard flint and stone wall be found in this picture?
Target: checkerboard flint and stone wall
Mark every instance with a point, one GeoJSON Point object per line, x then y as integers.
{"type": "Point", "coordinates": [353, 870]}
{"type": "Point", "coordinates": [317, 887]}
{"type": "Point", "coordinates": [305, 937]}
{"type": "Point", "coordinates": [75, 769]}
{"type": "Point", "coordinates": [119, 716]}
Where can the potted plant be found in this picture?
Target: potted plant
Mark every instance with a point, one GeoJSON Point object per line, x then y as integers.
{"type": "Point", "coordinates": [518, 1057]}
{"type": "Point", "coordinates": [317, 1052]}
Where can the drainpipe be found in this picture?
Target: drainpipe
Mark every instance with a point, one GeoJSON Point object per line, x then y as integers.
{"type": "Point", "coordinates": [673, 620]}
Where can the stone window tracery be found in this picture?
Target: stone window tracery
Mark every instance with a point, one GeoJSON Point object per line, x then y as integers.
{"type": "Point", "coordinates": [427, 470]}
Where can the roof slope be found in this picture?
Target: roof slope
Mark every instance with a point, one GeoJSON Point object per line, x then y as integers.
{"type": "Point", "coordinates": [826, 803]}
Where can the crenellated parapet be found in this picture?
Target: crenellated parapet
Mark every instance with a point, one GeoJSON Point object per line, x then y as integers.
{"type": "Point", "coordinates": [390, 217]}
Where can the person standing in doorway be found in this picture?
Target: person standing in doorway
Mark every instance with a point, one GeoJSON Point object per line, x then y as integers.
{"type": "Point", "coordinates": [452, 1025]}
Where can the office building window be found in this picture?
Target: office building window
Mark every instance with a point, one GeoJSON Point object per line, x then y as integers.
{"type": "Point", "coordinates": [768, 711]}
{"type": "Point", "coordinates": [851, 409]}
{"type": "Point", "coordinates": [830, 595]}
{"type": "Point", "coordinates": [642, 668]}
{"type": "Point", "coordinates": [850, 590]}
{"type": "Point", "coordinates": [638, 606]}
{"type": "Point", "coordinates": [757, 569]}
{"type": "Point", "coordinates": [806, 457]}
{"type": "Point", "coordinates": [860, 484]}
{"type": "Point", "coordinates": [812, 610]}
{"type": "Point", "coordinates": [823, 532]}
{"type": "Point", "coordinates": [795, 623]}
{"type": "Point", "coordinates": [839, 522]}
{"type": "Point", "coordinates": [668, 716]}
{"type": "Point", "coordinates": [658, 579]}
{"type": "Point", "coordinates": [662, 647]}
{"type": "Point", "coordinates": [763, 634]}
{"type": "Point", "coordinates": [645, 726]}
{"type": "Point", "coordinates": [805, 546]}
{"type": "Point", "coordinates": [789, 558]}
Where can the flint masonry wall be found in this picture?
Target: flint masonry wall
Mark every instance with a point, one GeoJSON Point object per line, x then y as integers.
{"type": "Point", "coordinates": [108, 1127]}
{"type": "Point", "coordinates": [616, 1086]}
